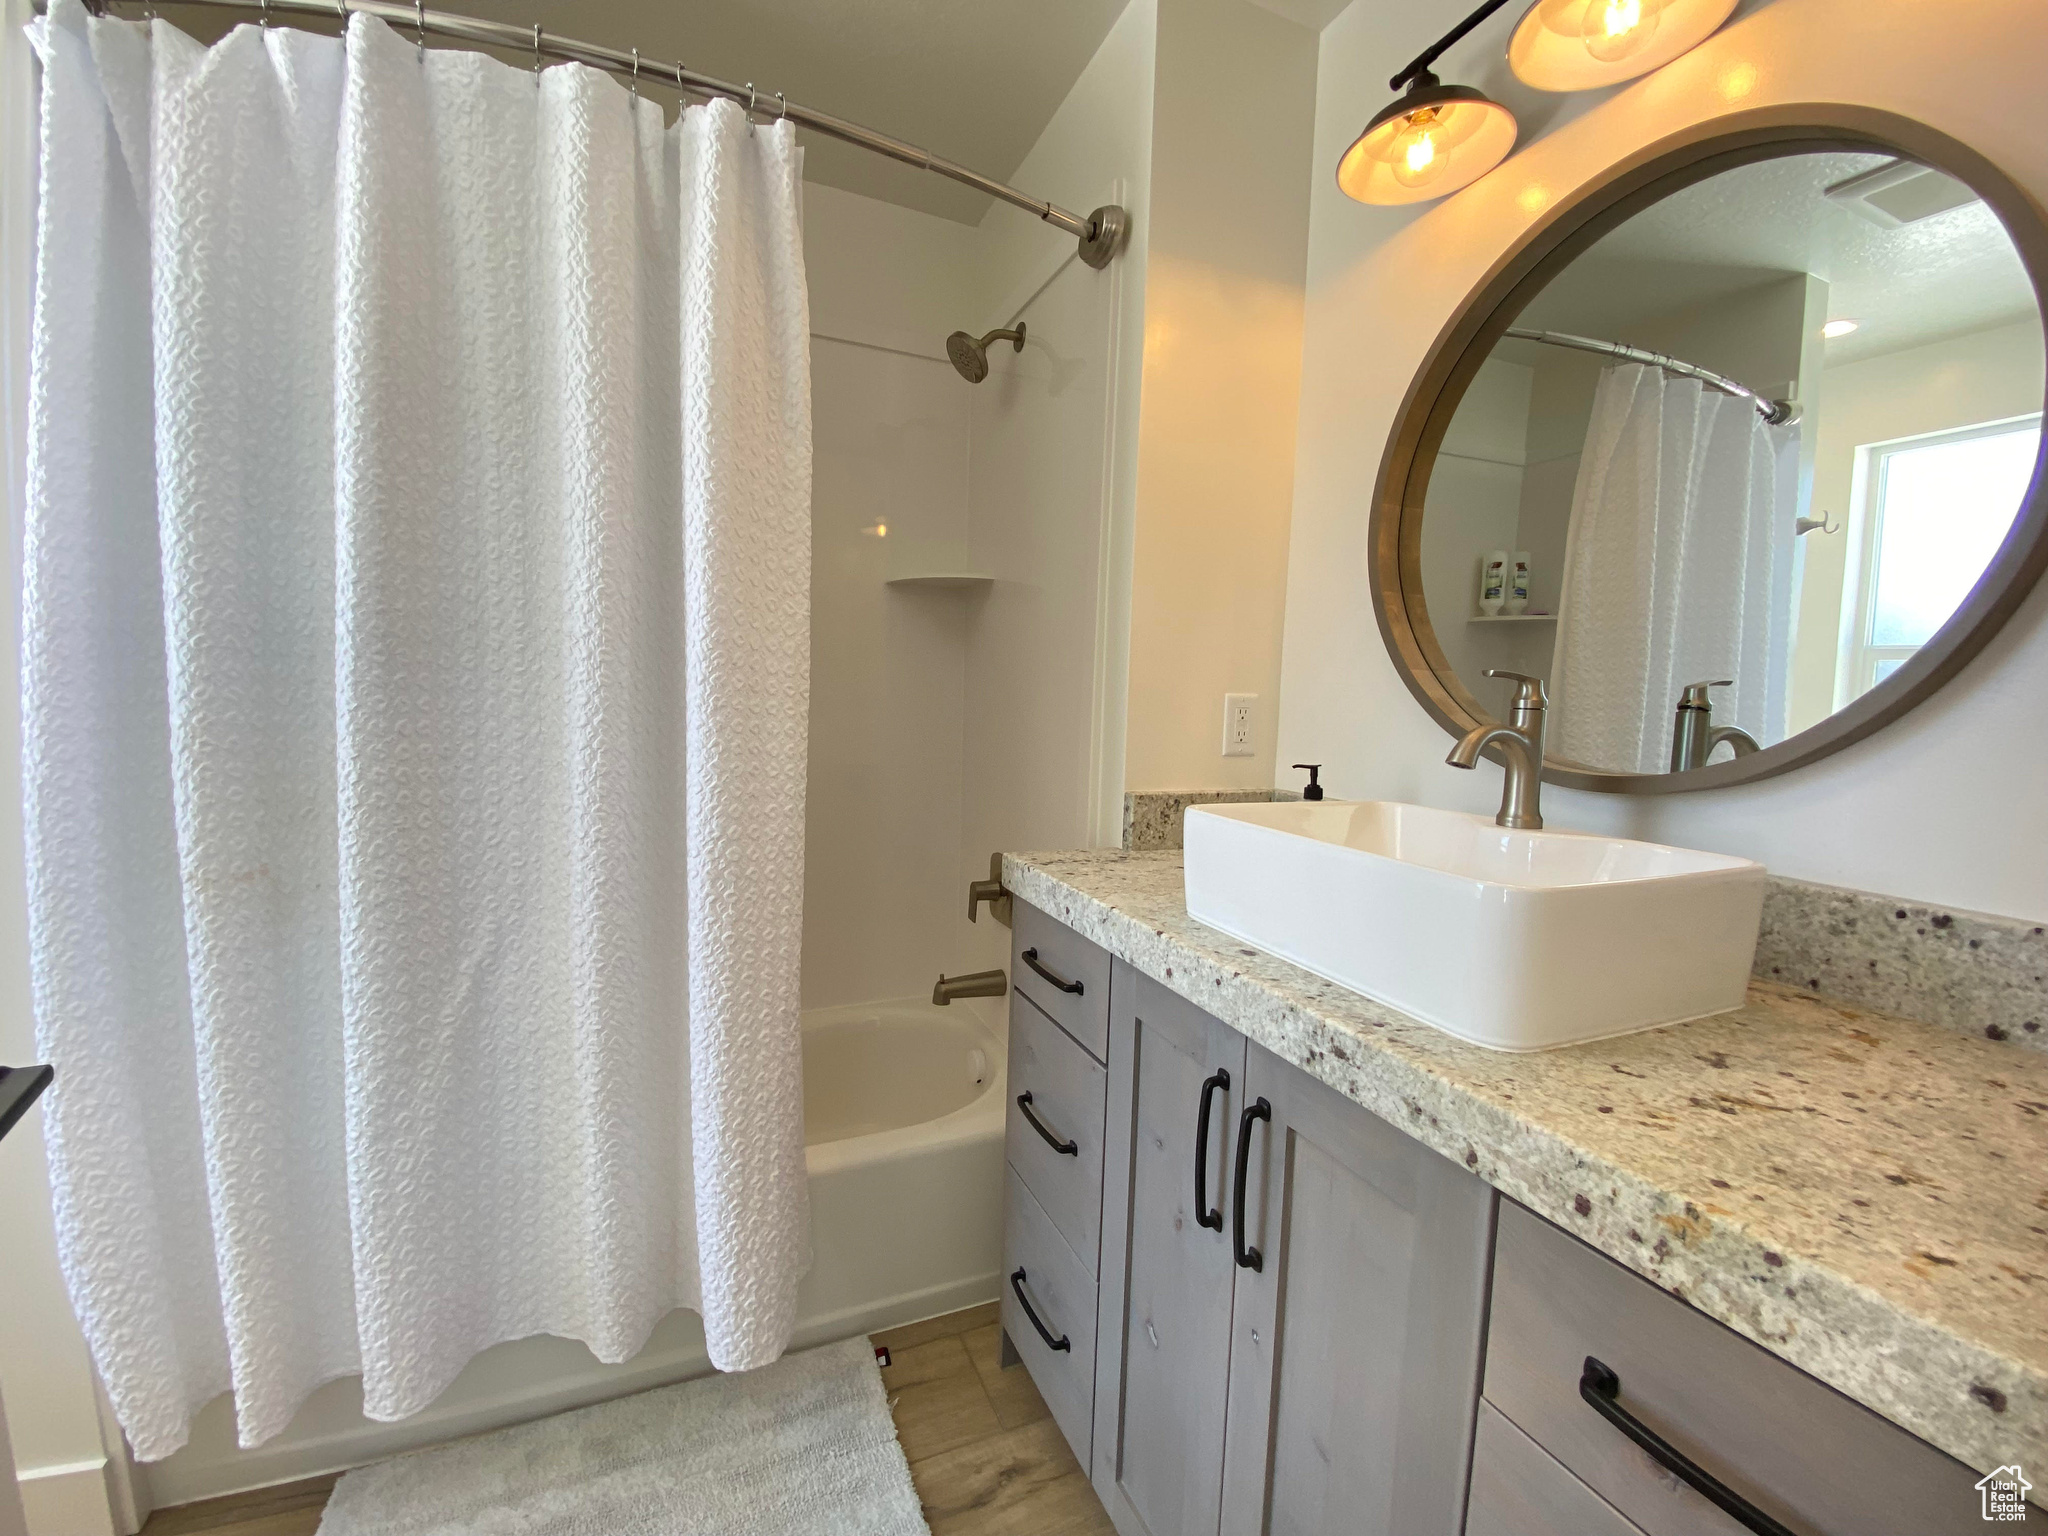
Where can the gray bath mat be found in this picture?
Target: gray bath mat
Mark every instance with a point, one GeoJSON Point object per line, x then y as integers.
{"type": "Point", "coordinates": [799, 1447]}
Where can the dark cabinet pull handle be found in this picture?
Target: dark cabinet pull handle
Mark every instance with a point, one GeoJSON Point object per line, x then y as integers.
{"type": "Point", "coordinates": [1064, 1148]}
{"type": "Point", "coordinates": [1017, 1285]}
{"type": "Point", "coordinates": [1205, 1217]}
{"type": "Point", "coordinates": [1072, 988]}
{"type": "Point", "coordinates": [1601, 1388]}
{"type": "Point", "coordinates": [1247, 1258]}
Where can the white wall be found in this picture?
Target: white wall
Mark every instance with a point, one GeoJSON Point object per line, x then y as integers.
{"type": "Point", "coordinates": [1943, 806]}
{"type": "Point", "coordinates": [1232, 125]}
{"type": "Point", "coordinates": [1956, 382]}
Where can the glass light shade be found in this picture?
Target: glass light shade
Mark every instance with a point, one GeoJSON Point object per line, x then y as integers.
{"type": "Point", "coordinates": [1581, 45]}
{"type": "Point", "coordinates": [1434, 140]}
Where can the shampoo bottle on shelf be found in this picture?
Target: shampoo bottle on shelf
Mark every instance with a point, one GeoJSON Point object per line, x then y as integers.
{"type": "Point", "coordinates": [1493, 580]}
{"type": "Point", "coordinates": [1518, 582]}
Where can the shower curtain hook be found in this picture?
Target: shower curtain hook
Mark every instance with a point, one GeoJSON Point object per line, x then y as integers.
{"type": "Point", "coordinates": [636, 74]}
{"type": "Point", "coordinates": [536, 53]}
{"type": "Point", "coordinates": [419, 11]}
{"type": "Point", "coordinates": [266, 15]}
{"type": "Point", "coordinates": [781, 106]}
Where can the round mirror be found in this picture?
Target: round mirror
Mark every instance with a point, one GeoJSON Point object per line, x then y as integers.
{"type": "Point", "coordinates": [1740, 454]}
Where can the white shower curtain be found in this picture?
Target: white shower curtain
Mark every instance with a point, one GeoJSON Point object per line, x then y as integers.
{"type": "Point", "coordinates": [1678, 569]}
{"type": "Point", "coordinates": [415, 674]}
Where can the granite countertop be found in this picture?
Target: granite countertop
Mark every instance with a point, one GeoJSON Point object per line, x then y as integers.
{"type": "Point", "coordinates": [1866, 1197]}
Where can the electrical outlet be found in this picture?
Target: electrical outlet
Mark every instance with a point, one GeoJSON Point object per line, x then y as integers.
{"type": "Point", "coordinates": [1239, 712]}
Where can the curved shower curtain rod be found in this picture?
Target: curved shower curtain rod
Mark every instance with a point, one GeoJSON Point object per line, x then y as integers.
{"type": "Point", "coordinates": [1776, 413]}
{"type": "Point", "coordinates": [1100, 233]}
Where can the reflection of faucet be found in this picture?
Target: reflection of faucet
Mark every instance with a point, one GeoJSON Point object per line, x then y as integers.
{"type": "Point", "coordinates": [974, 984]}
{"type": "Point", "coordinates": [1521, 744]}
{"type": "Point", "coordinates": [1694, 734]}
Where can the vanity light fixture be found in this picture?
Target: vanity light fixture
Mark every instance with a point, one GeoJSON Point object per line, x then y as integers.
{"type": "Point", "coordinates": [1836, 328]}
{"type": "Point", "coordinates": [1581, 45]}
{"type": "Point", "coordinates": [1434, 138]}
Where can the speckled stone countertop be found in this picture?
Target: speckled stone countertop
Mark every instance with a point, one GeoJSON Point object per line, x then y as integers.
{"type": "Point", "coordinates": [1866, 1197]}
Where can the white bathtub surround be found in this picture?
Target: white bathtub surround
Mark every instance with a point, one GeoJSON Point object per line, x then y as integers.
{"type": "Point", "coordinates": [415, 727]}
{"type": "Point", "coordinates": [803, 1448]}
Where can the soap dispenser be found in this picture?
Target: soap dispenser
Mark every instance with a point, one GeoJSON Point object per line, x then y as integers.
{"type": "Point", "coordinates": [1314, 790]}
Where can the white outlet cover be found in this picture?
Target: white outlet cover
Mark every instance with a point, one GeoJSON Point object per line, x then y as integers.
{"type": "Point", "coordinates": [1240, 723]}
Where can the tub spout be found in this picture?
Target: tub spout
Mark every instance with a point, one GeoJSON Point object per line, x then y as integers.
{"type": "Point", "coordinates": [974, 984]}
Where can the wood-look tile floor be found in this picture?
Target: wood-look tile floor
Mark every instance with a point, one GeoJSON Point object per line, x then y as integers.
{"type": "Point", "coordinates": [984, 1453]}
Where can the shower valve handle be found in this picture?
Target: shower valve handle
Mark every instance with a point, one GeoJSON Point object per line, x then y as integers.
{"type": "Point", "coordinates": [990, 891]}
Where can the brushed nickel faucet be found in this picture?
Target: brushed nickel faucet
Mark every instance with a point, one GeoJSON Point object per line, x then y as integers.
{"type": "Point", "coordinates": [1521, 744]}
{"type": "Point", "coordinates": [1694, 734]}
{"type": "Point", "coordinates": [973, 984]}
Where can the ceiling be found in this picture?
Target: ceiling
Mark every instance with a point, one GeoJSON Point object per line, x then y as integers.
{"type": "Point", "coordinates": [1943, 276]}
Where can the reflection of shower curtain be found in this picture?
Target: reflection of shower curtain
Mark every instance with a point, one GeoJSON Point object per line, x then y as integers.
{"type": "Point", "coordinates": [415, 662]}
{"type": "Point", "coordinates": [1678, 569]}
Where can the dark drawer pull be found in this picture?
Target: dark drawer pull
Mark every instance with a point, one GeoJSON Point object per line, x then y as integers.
{"type": "Point", "coordinates": [1064, 1148]}
{"type": "Point", "coordinates": [1205, 1217]}
{"type": "Point", "coordinates": [1071, 988]}
{"type": "Point", "coordinates": [1247, 1258]}
{"type": "Point", "coordinates": [1017, 1285]}
{"type": "Point", "coordinates": [1601, 1388]}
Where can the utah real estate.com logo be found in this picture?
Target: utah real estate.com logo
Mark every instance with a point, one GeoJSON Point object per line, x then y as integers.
{"type": "Point", "coordinates": [2005, 1494]}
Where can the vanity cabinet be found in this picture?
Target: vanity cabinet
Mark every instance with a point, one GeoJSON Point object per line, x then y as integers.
{"type": "Point", "coordinates": [1254, 1307]}
{"type": "Point", "coordinates": [1293, 1295]}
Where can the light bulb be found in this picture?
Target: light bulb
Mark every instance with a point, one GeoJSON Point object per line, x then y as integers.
{"type": "Point", "coordinates": [1418, 156]}
{"type": "Point", "coordinates": [1619, 29]}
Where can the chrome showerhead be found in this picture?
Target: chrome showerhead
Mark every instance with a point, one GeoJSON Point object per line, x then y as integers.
{"type": "Point", "coordinates": [970, 357]}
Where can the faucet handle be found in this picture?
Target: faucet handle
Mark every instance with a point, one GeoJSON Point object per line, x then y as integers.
{"type": "Point", "coordinates": [1529, 692]}
{"type": "Point", "coordinates": [1695, 695]}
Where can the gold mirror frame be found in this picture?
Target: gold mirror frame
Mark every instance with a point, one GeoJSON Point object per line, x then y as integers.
{"type": "Point", "coordinates": [1394, 544]}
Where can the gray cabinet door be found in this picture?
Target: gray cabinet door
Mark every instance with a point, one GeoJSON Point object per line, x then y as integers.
{"type": "Point", "coordinates": [1355, 1351]}
{"type": "Point", "coordinates": [1163, 1362]}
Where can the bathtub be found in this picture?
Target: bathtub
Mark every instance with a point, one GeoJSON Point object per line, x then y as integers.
{"type": "Point", "coordinates": [903, 1131]}
{"type": "Point", "coordinates": [903, 1121]}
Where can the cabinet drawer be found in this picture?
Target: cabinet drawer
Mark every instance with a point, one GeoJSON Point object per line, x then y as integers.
{"type": "Point", "coordinates": [1064, 974]}
{"type": "Point", "coordinates": [1797, 1449]}
{"type": "Point", "coordinates": [1056, 1098]}
{"type": "Point", "coordinates": [1040, 1270]}
{"type": "Point", "coordinates": [1520, 1489]}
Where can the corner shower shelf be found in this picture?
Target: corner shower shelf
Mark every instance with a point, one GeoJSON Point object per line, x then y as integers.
{"type": "Point", "coordinates": [1512, 618]}
{"type": "Point", "coordinates": [944, 581]}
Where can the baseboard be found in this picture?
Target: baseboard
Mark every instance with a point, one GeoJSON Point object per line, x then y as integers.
{"type": "Point", "coordinates": [286, 1460]}
{"type": "Point", "coordinates": [68, 1499]}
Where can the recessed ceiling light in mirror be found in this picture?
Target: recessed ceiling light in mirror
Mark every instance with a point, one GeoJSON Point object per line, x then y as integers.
{"type": "Point", "coordinates": [1835, 328]}
{"type": "Point", "coordinates": [1581, 45]}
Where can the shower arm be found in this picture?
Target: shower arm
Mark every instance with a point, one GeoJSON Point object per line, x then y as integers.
{"type": "Point", "coordinates": [1100, 233]}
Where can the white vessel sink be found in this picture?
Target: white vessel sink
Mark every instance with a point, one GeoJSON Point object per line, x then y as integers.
{"type": "Point", "coordinates": [1516, 940]}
